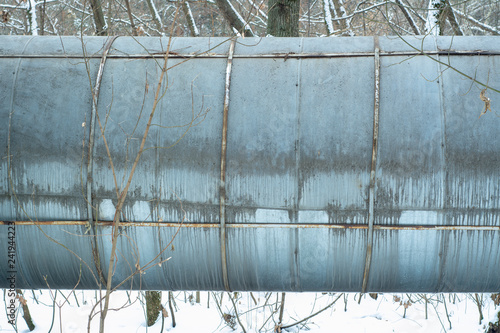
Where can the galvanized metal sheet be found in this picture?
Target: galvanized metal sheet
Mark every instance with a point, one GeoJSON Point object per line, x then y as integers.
{"type": "Point", "coordinates": [299, 149]}
{"type": "Point", "coordinates": [303, 259]}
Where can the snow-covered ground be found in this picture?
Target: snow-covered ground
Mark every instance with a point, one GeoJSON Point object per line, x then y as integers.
{"type": "Point", "coordinates": [385, 314]}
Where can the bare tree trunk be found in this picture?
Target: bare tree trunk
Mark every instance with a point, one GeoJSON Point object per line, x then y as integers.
{"type": "Point", "coordinates": [156, 17]}
{"type": "Point", "coordinates": [131, 18]}
{"type": "Point", "coordinates": [327, 12]}
{"type": "Point", "coordinates": [478, 24]}
{"type": "Point", "coordinates": [234, 18]}
{"type": "Point", "coordinates": [408, 17]}
{"type": "Point", "coordinates": [42, 18]}
{"type": "Point", "coordinates": [282, 307]}
{"type": "Point", "coordinates": [31, 16]}
{"type": "Point", "coordinates": [26, 310]}
{"type": "Point", "coordinates": [101, 28]}
{"type": "Point", "coordinates": [435, 23]}
{"type": "Point", "coordinates": [283, 18]}
{"type": "Point", "coordinates": [479, 304]}
{"type": "Point", "coordinates": [453, 20]}
{"type": "Point", "coordinates": [170, 296]}
{"type": "Point", "coordinates": [340, 12]}
{"type": "Point", "coordinates": [190, 19]}
{"type": "Point", "coordinates": [153, 306]}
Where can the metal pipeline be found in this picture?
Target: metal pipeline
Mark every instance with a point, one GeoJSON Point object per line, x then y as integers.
{"type": "Point", "coordinates": [346, 164]}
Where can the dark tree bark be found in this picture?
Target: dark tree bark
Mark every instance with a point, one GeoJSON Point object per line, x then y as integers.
{"type": "Point", "coordinates": [153, 306]}
{"type": "Point", "coordinates": [190, 19]}
{"type": "Point", "coordinates": [408, 17]}
{"type": "Point", "coordinates": [170, 296]}
{"type": "Point", "coordinates": [131, 18]}
{"type": "Point", "coordinates": [42, 18]}
{"type": "Point", "coordinates": [453, 20]}
{"type": "Point", "coordinates": [283, 18]}
{"type": "Point", "coordinates": [26, 310]}
{"type": "Point", "coordinates": [101, 28]}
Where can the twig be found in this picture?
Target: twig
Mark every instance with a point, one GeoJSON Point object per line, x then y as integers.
{"type": "Point", "coordinates": [236, 313]}
{"type": "Point", "coordinates": [479, 307]}
{"type": "Point", "coordinates": [53, 312]}
{"type": "Point", "coordinates": [314, 314]}
{"type": "Point", "coordinates": [170, 296]}
{"type": "Point", "coordinates": [282, 307]}
{"type": "Point", "coordinates": [439, 317]}
{"type": "Point", "coordinates": [253, 298]}
{"type": "Point", "coordinates": [446, 310]}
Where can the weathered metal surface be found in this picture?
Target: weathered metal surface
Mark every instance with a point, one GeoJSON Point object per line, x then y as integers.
{"type": "Point", "coordinates": [223, 154]}
{"type": "Point", "coordinates": [265, 225]}
{"type": "Point", "coordinates": [403, 259]}
{"type": "Point", "coordinates": [373, 167]}
{"type": "Point", "coordinates": [300, 127]}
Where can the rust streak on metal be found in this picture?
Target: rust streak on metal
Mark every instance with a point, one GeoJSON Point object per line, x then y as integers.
{"type": "Point", "coordinates": [263, 56]}
{"type": "Point", "coordinates": [43, 222]}
{"type": "Point", "coordinates": [265, 225]}
{"type": "Point", "coordinates": [222, 189]}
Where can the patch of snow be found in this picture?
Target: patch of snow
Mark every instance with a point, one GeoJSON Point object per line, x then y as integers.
{"type": "Point", "coordinates": [385, 314]}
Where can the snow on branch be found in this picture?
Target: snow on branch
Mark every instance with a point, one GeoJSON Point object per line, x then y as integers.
{"type": "Point", "coordinates": [480, 25]}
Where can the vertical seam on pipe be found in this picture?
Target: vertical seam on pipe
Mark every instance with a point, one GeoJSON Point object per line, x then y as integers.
{"type": "Point", "coordinates": [155, 210]}
{"type": "Point", "coordinates": [443, 130]}
{"type": "Point", "coordinates": [90, 159]}
{"type": "Point", "coordinates": [222, 186]}
{"type": "Point", "coordinates": [10, 181]}
{"type": "Point", "coordinates": [441, 282]}
{"type": "Point", "coordinates": [298, 181]}
{"type": "Point", "coordinates": [371, 194]}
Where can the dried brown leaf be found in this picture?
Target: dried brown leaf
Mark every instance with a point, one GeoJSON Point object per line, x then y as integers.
{"type": "Point", "coordinates": [5, 16]}
{"type": "Point", "coordinates": [496, 299]}
{"type": "Point", "coordinates": [486, 100]}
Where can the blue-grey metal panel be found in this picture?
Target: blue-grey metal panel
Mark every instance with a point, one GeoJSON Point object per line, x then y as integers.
{"type": "Point", "coordinates": [44, 259]}
{"type": "Point", "coordinates": [339, 156]}
{"type": "Point", "coordinates": [262, 134]}
{"type": "Point", "coordinates": [181, 161]}
{"type": "Point", "coordinates": [191, 260]}
{"type": "Point", "coordinates": [47, 165]}
{"type": "Point", "coordinates": [472, 143]}
{"type": "Point", "coordinates": [410, 163]}
{"type": "Point", "coordinates": [7, 77]}
{"type": "Point", "coordinates": [261, 46]}
{"type": "Point", "coordinates": [299, 150]}
{"type": "Point", "coordinates": [263, 258]}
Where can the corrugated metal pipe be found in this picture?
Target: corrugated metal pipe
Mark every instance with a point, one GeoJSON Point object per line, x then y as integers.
{"type": "Point", "coordinates": [291, 164]}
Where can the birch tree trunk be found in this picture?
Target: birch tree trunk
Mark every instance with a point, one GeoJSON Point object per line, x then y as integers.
{"type": "Point", "coordinates": [408, 17]}
{"type": "Point", "coordinates": [190, 19]}
{"type": "Point", "coordinates": [156, 17]}
{"type": "Point", "coordinates": [453, 20]}
{"type": "Point", "coordinates": [340, 12]}
{"type": "Point", "coordinates": [234, 18]}
{"type": "Point", "coordinates": [31, 16]}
